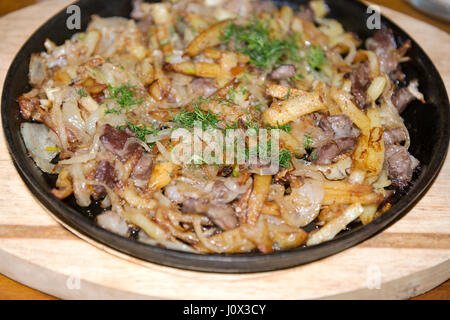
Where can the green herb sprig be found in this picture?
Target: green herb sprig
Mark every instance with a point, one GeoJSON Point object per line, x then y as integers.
{"type": "Point", "coordinates": [316, 57]}
{"type": "Point", "coordinates": [124, 97]}
{"type": "Point", "coordinates": [254, 41]}
{"type": "Point", "coordinates": [187, 119]}
{"type": "Point", "coordinates": [285, 157]}
{"type": "Point", "coordinates": [141, 132]}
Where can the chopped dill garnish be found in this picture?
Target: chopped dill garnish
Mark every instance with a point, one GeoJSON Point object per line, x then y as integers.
{"type": "Point", "coordinates": [141, 132]}
{"type": "Point", "coordinates": [82, 93]}
{"type": "Point", "coordinates": [288, 94]}
{"type": "Point", "coordinates": [285, 127]}
{"type": "Point", "coordinates": [285, 157]}
{"type": "Point", "coordinates": [254, 41]}
{"type": "Point", "coordinates": [258, 107]}
{"type": "Point", "coordinates": [307, 141]}
{"type": "Point", "coordinates": [224, 101]}
{"type": "Point", "coordinates": [187, 119]}
{"type": "Point", "coordinates": [315, 56]}
{"type": "Point", "coordinates": [231, 95]}
{"type": "Point", "coordinates": [233, 125]}
{"type": "Point", "coordinates": [124, 96]}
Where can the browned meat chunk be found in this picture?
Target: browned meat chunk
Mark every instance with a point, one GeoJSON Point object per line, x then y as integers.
{"type": "Point", "coordinates": [219, 191]}
{"type": "Point", "coordinates": [339, 127]}
{"type": "Point", "coordinates": [401, 98]}
{"type": "Point", "coordinates": [360, 83]}
{"type": "Point", "coordinates": [384, 45]}
{"type": "Point", "coordinates": [143, 168]}
{"type": "Point", "coordinates": [328, 153]}
{"type": "Point", "coordinates": [30, 108]}
{"type": "Point", "coordinates": [115, 140]}
{"type": "Point", "coordinates": [100, 98]}
{"type": "Point", "coordinates": [345, 144]}
{"type": "Point", "coordinates": [283, 72]}
{"type": "Point", "coordinates": [325, 154]}
{"type": "Point", "coordinates": [394, 136]}
{"type": "Point", "coordinates": [203, 87]}
{"type": "Point", "coordinates": [400, 165]}
{"type": "Point", "coordinates": [104, 173]}
{"type": "Point", "coordinates": [221, 214]}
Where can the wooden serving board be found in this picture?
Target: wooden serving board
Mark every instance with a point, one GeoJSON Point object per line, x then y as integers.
{"type": "Point", "coordinates": [407, 259]}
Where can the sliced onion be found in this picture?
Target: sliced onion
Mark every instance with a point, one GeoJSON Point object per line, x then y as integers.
{"type": "Point", "coordinates": [84, 157]}
{"type": "Point", "coordinates": [162, 135]}
{"type": "Point", "coordinates": [80, 186]}
{"type": "Point", "coordinates": [303, 205]}
{"type": "Point", "coordinates": [39, 145]}
{"type": "Point", "coordinates": [166, 154]}
{"type": "Point", "coordinates": [138, 141]}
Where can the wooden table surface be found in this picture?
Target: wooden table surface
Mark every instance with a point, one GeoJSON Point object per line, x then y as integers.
{"type": "Point", "coordinates": [10, 289]}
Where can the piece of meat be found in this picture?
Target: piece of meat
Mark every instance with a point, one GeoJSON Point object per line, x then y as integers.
{"type": "Point", "coordinates": [345, 144]}
{"type": "Point", "coordinates": [283, 72]}
{"type": "Point", "coordinates": [385, 38]}
{"type": "Point", "coordinates": [143, 168]}
{"type": "Point", "coordinates": [325, 154]}
{"type": "Point", "coordinates": [360, 83]}
{"type": "Point", "coordinates": [30, 109]}
{"type": "Point", "coordinates": [203, 87]}
{"type": "Point", "coordinates": [400, 165]}
{"type": "Point", "coordinates": [115, 140]}
{"type": "Point", "coordinates": [221, 214]}
{"type": "Point", "coordinates": [384, 45]}
{"type": "Point", "coordinates": [339, 127]}
{"type": "Point", "coordinates": [219, 191]}
{"type": "Point", "coordinates": [394, 136]}
{"type": "Point", "coordinates": [104, 173]}
{"type": "Point", "coordinates": [328, 153]}
{"type": "Point", "coordinates": [306, 13]}
{"type": "Point", "coordinates": [100, 98]}
{"type": "Point", "coordinates": [401, 98]}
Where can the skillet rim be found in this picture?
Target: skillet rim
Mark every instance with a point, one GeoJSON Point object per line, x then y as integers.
{"type": "Point", "coordinates": [226, 263]}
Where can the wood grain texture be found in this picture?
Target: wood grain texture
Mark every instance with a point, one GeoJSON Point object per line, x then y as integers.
{"type": "Point", "coordinates": [410, 257]}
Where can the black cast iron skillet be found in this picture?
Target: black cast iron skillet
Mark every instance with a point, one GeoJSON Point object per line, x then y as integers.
{"type": "Point", "coordinates": [428, 125]}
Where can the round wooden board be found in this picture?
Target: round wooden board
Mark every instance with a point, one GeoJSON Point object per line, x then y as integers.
{"type": "Point", "coordinates": [407, 259]}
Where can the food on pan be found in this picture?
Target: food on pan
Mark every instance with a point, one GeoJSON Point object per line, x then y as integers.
{"type": "Point", "coordinates": [112, 106]}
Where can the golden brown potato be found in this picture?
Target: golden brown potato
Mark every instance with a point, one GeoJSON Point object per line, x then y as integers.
{"type": "Point", "coordinates": [216, 54]}
{"type": "Point", "coordinates": [161, 175]}
{"type": "Point", "coordinates": [342, 192]}
{"type": "Point", "coordinates": [285, 111]}
{"type": "Point", "coordinates": [280, 92]}
{"type": "Point", "coordinates": [261, 187]}
{"type": "Point", "coordinates": [335, 225]}
{"type": "Point", "coordinates": [208, 38]}
{"type": "Point", "coordinates": [343, 99]}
